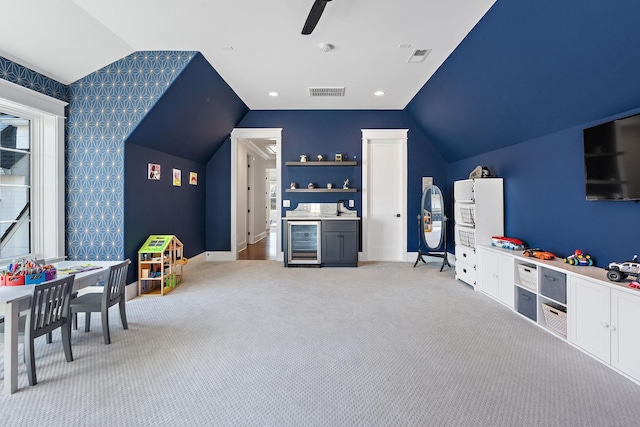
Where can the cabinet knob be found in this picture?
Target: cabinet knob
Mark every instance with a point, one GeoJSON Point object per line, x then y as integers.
{"type": "Point", "coordinates": [605, 324]}
{"type": "Point", "coordinates": [613, 328]}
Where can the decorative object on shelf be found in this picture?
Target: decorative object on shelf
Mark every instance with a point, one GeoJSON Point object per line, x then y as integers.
{"type": "Point", "coordinates": [507, 243]}
{"type": "Point", "coordinates": [329, 185]}
{"type": "Point", "coordinates": [480, 172]}
{"type": "Point", "coordinates": [579, 258]}
{"type": "Point", "coordinates": [618, 271]}
{"type": "Point", "coordinates": [310, 185]}
{"type": "Point", "coordinates": [539, 253]}
{"type": "Point", "coordinates": [345, 185]}
{"type": "Point", "coordinates": [338, 157]}
{"type": "Point", "coordinates": [320, 157]}
{"type": "Point", "coordinates": [293, 186]}
{"type": "Point", "coordinates": [303, 157]}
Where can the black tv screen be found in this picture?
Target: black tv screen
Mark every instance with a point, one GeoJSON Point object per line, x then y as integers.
{"type": "Point", "coordinates": [612, 160]}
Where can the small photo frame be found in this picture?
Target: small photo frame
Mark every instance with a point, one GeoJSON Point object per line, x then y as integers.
{"type": "Point", "coordinates": [177, 177]}
{"type": "Point", "coordinates": [153, 171]}
{"type": "Point", "coordinates": [193, 178]}
{"type": "Point", "coordinates": [338, 157]}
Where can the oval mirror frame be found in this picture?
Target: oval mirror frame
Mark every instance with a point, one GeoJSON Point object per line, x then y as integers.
{"type": "Point", "coordinates": [432, 217]}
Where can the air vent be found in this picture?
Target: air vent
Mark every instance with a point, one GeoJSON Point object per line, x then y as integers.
{"type": "Point", "coordinates": [419, 55]}
{"type": "Point", "coordinates": [327, 91]}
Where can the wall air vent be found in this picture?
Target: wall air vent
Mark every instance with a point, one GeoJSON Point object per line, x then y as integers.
{"type": "Point", "coordinates": [327, 91]}
{"type": "Point", "coordinates": [419, 55]}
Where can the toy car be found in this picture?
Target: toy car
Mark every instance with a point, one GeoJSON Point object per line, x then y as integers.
{"type": "Point", "coordinates": [539, 253]}
{"type": "Point", "coordinates": [578, 258]}
{"type": "Point", "coordinates": [618, 271]}
{"type": "Point", "coordinates": [507, 243]}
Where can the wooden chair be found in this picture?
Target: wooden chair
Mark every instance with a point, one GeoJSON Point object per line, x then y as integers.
{"type": "Point", "coordinates": [112, 294]}
{"type": "Point", "coordinates": [49, 311]}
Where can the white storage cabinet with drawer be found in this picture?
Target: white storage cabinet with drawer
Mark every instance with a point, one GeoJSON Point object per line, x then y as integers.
{"type": "Point", "coordinates": [479, 215]}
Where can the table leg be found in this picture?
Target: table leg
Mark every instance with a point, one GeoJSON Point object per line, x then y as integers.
{"type": "Point", "coordinates": [11, 349]}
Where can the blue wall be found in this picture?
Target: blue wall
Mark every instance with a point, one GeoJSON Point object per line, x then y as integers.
{"type": "Point", "coordinates": [545, 202]}
{"type": "Point", "coordinates": [218, 203]}
{"type": "Point", "coordinates": [159, 207]}
{"type": "Point", "coordinates": [25, 77]}
{"type": "Point", "coordinates": [104, 108]}
{"type": "Point", "coordinates": [325, 132]}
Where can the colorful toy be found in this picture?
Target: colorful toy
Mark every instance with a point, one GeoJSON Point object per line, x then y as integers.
{"type": "Point", "coordinates": [579, 258]}
{"type": "Point", "coordinates": [539, 253]}
{"type": "Point", "coordinates": [618, 271]}
{"type": "Point", "coordinates": [507, 243]}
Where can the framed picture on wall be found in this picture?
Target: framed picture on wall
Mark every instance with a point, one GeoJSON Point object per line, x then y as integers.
{"type": "Point", "coordinates": [153, 171]}
{"type": "Point", "coordinates": [193, 178]}
{"type": "Point", "coordinates": [177, 177]}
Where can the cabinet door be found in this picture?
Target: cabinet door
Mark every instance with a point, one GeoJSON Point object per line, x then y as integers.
{"type": "Point", "coordinates": [590, 314]}
{"type": "Point", "coordinates": [506, 279]}
{"type": "Point", "coordinates": [490, 273]}
{"type": "Point", "coordinates": [625, 333]}
{"type": "Point", "coordinates": [331, 247]}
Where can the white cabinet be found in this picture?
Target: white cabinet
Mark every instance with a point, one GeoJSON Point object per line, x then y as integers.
{"type": "Point", "coordinates": [604, 322]}
{"type": "Point", "coordinates": [496, 274]}
{"type": "Point", "coordinates": [479, 215]}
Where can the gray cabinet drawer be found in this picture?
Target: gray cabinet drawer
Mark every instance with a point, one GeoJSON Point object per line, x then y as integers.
{"type": "Point", "coordinates": [340, 225]}
{"type": "Point", "coordinates": [553, 284]}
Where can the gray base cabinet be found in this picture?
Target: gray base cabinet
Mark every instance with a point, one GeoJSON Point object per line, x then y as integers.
{"type": "Point", "coordinates": [340, 243]}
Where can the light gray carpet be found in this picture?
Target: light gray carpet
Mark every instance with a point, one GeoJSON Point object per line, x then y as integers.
{"type": "Point", "coordinates": [250, 343]}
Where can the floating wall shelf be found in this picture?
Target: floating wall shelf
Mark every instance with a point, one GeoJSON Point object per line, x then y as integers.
{"type": "Point", "coordinates": [324, 163]}
{"type": "Point", "coordinates": [320, 190]}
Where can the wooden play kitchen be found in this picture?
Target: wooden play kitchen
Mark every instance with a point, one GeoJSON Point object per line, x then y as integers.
{"type": "Point", "coordinates": [160, 263]}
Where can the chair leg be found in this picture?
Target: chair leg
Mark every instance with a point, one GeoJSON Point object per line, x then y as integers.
{"type": "Point", "coordinates": [66, 341]}
{"type": "Point", "coordinates": [75, 321]}
{"type": "Point", "coordinates": [105, 327]}
{"type": "Point", "coordinates": [123, 314]}
{"type": "Point", "coordinates": [30, 361]}
{"type": "Point", "coordinates": [87, 321]}
{"type": "Point", "coordinates": [49, 338]}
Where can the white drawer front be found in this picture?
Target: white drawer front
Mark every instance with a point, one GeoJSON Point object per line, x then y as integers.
{"type": "Point", "coordinates": [466, 273]}
{"type": "Point", "coordinates": [466, 255]}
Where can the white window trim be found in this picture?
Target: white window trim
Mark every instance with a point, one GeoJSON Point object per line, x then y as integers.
{"type": "Point", "coordinates": [47, 165]}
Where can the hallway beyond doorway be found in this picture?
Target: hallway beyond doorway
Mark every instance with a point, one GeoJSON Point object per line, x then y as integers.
{"type": "Point", "coordinates": [265, 249]}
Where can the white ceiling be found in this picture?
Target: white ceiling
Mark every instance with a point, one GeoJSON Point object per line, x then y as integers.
{"type": "Point", "coordinates": [69, 39]}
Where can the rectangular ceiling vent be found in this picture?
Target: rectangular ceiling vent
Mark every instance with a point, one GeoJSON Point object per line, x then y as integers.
{"type": "Point", "coordinates": [327, 91]}
{"type": "Point", "coordinates": [419, 55]}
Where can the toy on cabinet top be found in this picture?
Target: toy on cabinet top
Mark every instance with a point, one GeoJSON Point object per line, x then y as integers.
{"type": "Point", "coordinates": [618, 271]}
{"type": "Point", "coordinates": [507, 243]}
{"type": "Point", "coordinates": [539, 253]}
{"type": "Point", "coordinates": [579, 258]}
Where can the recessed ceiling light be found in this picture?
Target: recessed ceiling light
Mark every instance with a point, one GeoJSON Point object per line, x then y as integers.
{"type": "Point", "coordinates": [378, 93]}
{"type": "Point", "coordinates": [273, 94]}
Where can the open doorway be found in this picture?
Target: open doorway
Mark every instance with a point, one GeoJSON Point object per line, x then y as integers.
{"type": "Point", "coordinates": [255, 189]}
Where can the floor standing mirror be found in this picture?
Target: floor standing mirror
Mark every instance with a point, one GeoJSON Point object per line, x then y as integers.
{"type": "Point", "coordinates": [432, 226]}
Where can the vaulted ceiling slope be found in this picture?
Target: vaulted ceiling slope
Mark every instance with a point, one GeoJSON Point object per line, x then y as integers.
{"type": "Point", "coordinates": [194, 116]}
{"type": "Point", "coordinates": [529, 69]}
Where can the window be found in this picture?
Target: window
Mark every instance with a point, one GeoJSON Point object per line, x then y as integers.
{"type": "Point", "coordinates": [15, 185]}
{"type": "Point", "coordinates": [31, 174]}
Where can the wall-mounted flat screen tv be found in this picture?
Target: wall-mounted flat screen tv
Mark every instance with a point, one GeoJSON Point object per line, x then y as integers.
{"type": "Point", "coordinates": [612, 160]}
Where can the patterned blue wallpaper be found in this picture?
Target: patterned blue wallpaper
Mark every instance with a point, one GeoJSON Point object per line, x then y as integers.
{"type": "Point", "coordinates": [16, 73]}
{"type": "Point", "coordinates": [104, 108]}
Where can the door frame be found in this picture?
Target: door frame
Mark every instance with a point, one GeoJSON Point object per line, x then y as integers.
{"type": "Point", "coordinates": [399, 135]}
{"type": "Point", "coordinates": [244, 136]}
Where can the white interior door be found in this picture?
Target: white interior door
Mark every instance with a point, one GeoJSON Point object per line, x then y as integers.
{"type": "Point", "coordinates": [384, 196]}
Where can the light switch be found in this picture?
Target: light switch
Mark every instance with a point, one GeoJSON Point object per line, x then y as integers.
{"type": "Point", "coordinates": [352, 203]}
{"type": "Point", "coordinates": [286, 203]}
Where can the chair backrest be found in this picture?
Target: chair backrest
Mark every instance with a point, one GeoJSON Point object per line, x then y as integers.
{"type": "Point", "coordinates": [114, 289]}
{"type": "Point", "coordinates": [49, 306]}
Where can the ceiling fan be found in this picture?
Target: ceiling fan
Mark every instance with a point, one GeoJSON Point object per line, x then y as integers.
{"type": "Point", "coordinates": [314, 16]}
